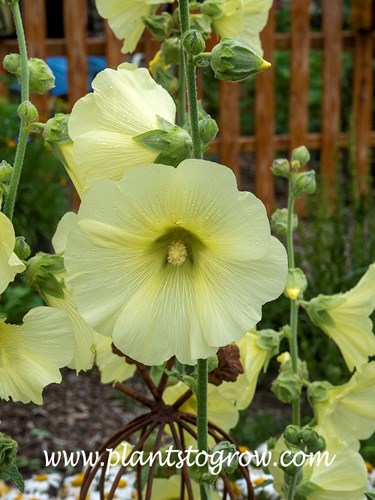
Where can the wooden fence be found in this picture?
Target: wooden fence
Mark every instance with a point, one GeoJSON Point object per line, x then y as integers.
{"type": "Point", "coordinates": [265, 144]}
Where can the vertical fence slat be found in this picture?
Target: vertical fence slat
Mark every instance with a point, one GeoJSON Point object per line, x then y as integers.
{"type": "Point", "coordinates": [332, 50]}
{"type": "Point", "coordinates": [34, 19]}
{"type": "Point", "coordinates": [265, 120]}
{"type": "Point", "coordinates": [113, 55]}
{"type": "Point", "coordinates": [75, 30]}
{"type": "Point", "coordinates": [363, 90]}
{"type": "Point", "coordinates": [229, 122]}
{"type": "Point", "coordinates": [299, 72]}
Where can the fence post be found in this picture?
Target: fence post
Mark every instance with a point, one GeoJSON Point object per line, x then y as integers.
{"type": "Point", "coordinates": [332, 50]}
{"type": "Point", "coordinates": [363, 22]}
{"type": "Point", "coordinates": [265, 120]}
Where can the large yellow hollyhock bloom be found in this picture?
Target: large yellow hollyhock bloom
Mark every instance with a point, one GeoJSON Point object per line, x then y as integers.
{"type": "Point", "coordinates": [173, 261]}
{"type": "Point", "coordinates": [112, 368]}
{"type": "Point", "coordinates": [344, 478]}
{"type": "Point", "coordinates": [125, 18]}
{"type": "Point", "coordinates": [125, 103]}
{"type": "Point", "coordinates": [32, 353]}
{"type": "Point", "coordinates": [345, 318]}
{"type": "Point", "coordinates": [10, 264]}
{"type": "Point", "coordinates": [349, 410]}
{"type": "Point", "coordinates": [243, 20]}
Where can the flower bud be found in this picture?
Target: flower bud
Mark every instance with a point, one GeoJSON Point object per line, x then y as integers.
{"type": "Point", "coordinates": [212, 363]}
{"type": "Point", "coordinates": [279, 221]}
{"type": "Point", "coordinates": [232, 61]}
{"type": "Point", "coordinates": [8, 451]}
{"type": "Point", "coordinates": [27, 112]}
{"type": "Point", "coordinates": [312, 440]}
{"type": "Point", "coordinates": [193, 42]}
{"type": "Point", "coordinates": [207, 129]}
{"type": "Point", "coordinates": [318, 391]}
{"type": "Point", "coordinates": [5, 172]}
{"type": "Point", "coordinates": [296, 283]}
{"type": "Point", "coordinates": [294, 464]}
{"type": "Point", "coordinates": [41, 77]}
{"type": "Point", "coordinates": [293, 434]}
{"type": "Point", "coordinates": [56, 130]}
{"type": "Point", "coordinates": [160, 26]}
{"type": "Point", "coordinates": [11, 63]}
{"type": "Point", "coordinates": [305, 183]}
{"type": "Point", "coordinates": [170, 51]}
{"type": "Point", "coordinates": [229, 457]}
{"type": "Point", "coordinates": [287, 387]}
{"type": "Point", "coordinates": [300, 157]}
{"type": "Point", "coordinates": [41, 271]}
{"type": "Point", "coordinates": [281, 168]}
{"type": "Point", "coordinates": [21, 248]}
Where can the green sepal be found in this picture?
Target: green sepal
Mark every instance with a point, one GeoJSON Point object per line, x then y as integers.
{"type": "Point", "coordinates": [41, 274]}
{"type": "Point", "coordinates": [370, 495]}
{"type": "Point", "coordinates": [160, 26]}
{"type": "Point", "coordinates": [12, 475]}
{"type": "Point", "coordinates": [170, 51]}
{"type": "Point", "coordinates": [201, 23]}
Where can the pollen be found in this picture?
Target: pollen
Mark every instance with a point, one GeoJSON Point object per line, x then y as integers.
{"type": "Point", "coordinates": [177, 253]}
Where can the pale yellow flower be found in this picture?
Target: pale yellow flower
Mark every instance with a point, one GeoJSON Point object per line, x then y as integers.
{"type": "Point", "coordinates": [125, 18]}
{"type": "Point", "coordinates": [243, 20]}
{"type": "Point", "coordinates": [112, 368]}
{"type": "Point", "coordinates": [125, 103]}
{"type": "Point", "coordinates": [344, 475]}
{"type": "Point", "coordinates": [349, 410]}
{"type": "Point", "coordinates": [32, 353]}
{"type": "Point", "coordinates": [10, 264]}
{"type": "Point", "coordinates": [173, 261]}
{"type": "Point", "coordinates": [253, 358]}
{"type": "Point", "coordinates": [345, 318]}
{"type": "Point", "coordinates": [170, 489]}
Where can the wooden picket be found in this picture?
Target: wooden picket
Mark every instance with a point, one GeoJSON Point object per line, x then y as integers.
{"type": "Point", "coordinates": [265, 144]}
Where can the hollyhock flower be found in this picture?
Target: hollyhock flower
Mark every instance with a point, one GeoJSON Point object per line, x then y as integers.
{"type": "Point", "coordinates": [173, 261]}
{"type": "Point", "coordinates": [111, 126]}
{"type": "Point", "coordinates": [348, 410]}
{"type": "Point", "coordinates": [243, 20]}
{"type": "Point", "coordinates": [345, 318]}
{"type": "Point", "coordinates": [32, 353]}
{"type": "Point", "coordinates": [112, 368]}
{"type": "Point", "coordinates": [125, 18]}
{"type": "Point", "coordinates": [170, 489]}
{"type": "Point", "coordinates": [10, 264]}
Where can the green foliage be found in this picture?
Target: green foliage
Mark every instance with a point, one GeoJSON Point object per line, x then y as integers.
{"type": "Point", "coordinates": [17, 300]}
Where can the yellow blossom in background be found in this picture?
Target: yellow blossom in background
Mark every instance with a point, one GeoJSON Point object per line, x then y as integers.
{"type": "Point", "coordinates": [125, 103]}
{"type": "Point", "coordinates": [253, 358]}
{"type": "Point", "coordinates": [345, 318]}
{"type": "Point", "coordinates": [343, 476]}
{"type": "Point", "coordinates": [112, 368]}
{"type": "Point", "coordinates": [173, 261]}
{"type": "Point", "coordinates": [125, 18]}
{"type": "Point", "coordinates": [243, 20]}
{"type": "Point", "coordinates": [10, 264]}
{"type": "Point", "coordinates": [349, 410]}
{"type": "Point", "coordinates": [170, 489]}
{"type": "Point", "coordinates": [32, 353]}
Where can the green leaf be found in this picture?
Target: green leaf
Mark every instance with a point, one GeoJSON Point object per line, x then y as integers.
{"type": "Point", "coordinates": [12, 475]}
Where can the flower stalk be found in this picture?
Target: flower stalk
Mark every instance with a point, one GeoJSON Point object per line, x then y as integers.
{"type": "Point", "coordinates": [24, 131]}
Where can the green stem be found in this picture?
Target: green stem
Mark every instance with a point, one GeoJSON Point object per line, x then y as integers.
{"type": "Point", "coordinates": [23, 133]}
{"type": "Point", "coordinates": [293, 341]}
{"type": "Point", "coordinates": [191, 83]}
{"type": "Point", "coordinates": [202, 419]}
{"type": "Point", "coordinates": [181, 90]}
{"type": "Point", "coordinates": [292, 487]}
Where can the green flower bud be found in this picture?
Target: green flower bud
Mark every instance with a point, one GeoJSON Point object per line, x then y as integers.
{"type": "Point", "coordinates": [293, 464]}
{"type": "Point", "coordinates": [229, 460]}
{"type": "Point", "coordinates": [232, 61]}
{"type": "Point", "coordinates": [21, 248]}
{"type": "Point", "coordinates": [300, 157]}
{"type": "Point", "coordinates": [281, 168]}
{"type": "Point", "coordinates": [170, 51]}
{"type": "Point", "coordinates": [312, 440]}
{"type": "Point", "coordinates": [8, 451]}
{"type": "Point", "coordinates": [160, 26]}
{"type": "Point", "coordinates": [318, 391]}
{"type": "Point", "coordinates": [5, 172]}
{"type": "Point", "coordinates": [287, 386]}
{"type": "Point", "coordinates": [172, 142]}
{"type": "Point", "coordinates": [193, 42]}
{"type": "Point", "coordinates": [269, 339]}
{"type": "Point", "coordinates": [296, 283]}
{"type": "Point", "coordinates": [207, 129]}
{"type": "Point", "coordinates": [293, 434]}
{"type": "Point", "coordinates": [41, 274]}
{"type": "Point", "coordinates": [41, 77]}
{"type": "Point", "coordinates": [56, 130]}
{"type": "Point", "coordinates": [305, 183]}
{"type": "Point", "coordinates": [27, 112]}
{"type": "Point", "coordinates": [279, 221]}
{"type": "Point", "coordinates": [212, 362]}
{"type": "Point", "coordinates": [11, 63]}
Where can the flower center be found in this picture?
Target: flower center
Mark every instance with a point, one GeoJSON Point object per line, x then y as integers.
{"type": "Point", "coordinates": [177, 253]}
